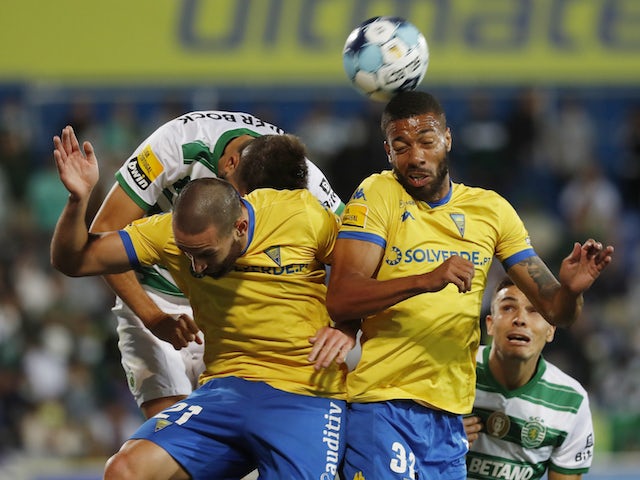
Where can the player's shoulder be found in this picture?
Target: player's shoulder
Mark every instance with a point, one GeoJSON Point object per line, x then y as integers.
{"type": "Point", "coordinates": [384, 177]}
{"type": "Point", "coordinates": [152, 230]}
{"type": "Point", "coordinates": [462, 190]}
{"type": "Point", "coordinates": [553, 374]}
{"type": "Point", "coordinates": [156, 220]}
{"type": "Point", "coordinates": [482, 200]}
{"type": "Point", "coordinates": [382, 183]}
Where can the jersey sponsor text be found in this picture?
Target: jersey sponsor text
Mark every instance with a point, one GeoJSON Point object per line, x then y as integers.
{"type": "Point", "coordinates": [430, 255]}
{"type": "Point", "coordinates": [495, 469]}
{"type": "Point", "coordinates": [331, 437]}
{"type": "Point", "coordinates": [286, 270]}
{"type": "Point", "coordinates": [138, 176]}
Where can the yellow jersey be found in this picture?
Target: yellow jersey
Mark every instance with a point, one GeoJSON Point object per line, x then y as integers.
{"type": "Point", "coordinates": [258, 318]}
{"type": "Point", "coordinates": [424, 348]}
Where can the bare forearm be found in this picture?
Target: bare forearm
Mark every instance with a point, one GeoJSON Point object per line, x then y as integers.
{"type": "Point", "coordinates": [354, 292]}
{"type": "Point", "coordinates": [76, 252]}
{"type": "Point", "coordinates": [357, 298]}
{"type": "Point", "coordinates": [556, 302]}
{"type": "Point", "coordinates": [70, 237]}
{"type": "Point", "coordinates": [127, 287]}
{"type": "Point", "coordinates": [566, 308]}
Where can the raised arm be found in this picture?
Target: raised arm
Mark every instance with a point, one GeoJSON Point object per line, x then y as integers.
{"type": "Point", "coordinates": [560, 300]}
{"type": "Point", "coordinates": [74, 251]}
{"type": "Point", "coordinates": [354, 292]}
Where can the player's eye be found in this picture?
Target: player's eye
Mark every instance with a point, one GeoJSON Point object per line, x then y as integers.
{"type": "Point", "coordinates": [400, 150]}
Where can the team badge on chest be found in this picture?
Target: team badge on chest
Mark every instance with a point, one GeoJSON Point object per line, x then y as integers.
{"type": "Point", "coordinates": [533, 433]}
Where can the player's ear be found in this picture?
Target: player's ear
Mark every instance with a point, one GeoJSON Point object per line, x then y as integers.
{"type": "Point", "coordinates": [242, 226]}
{"type": "Point", "coordinates": [489, 324]}
{"type": "Point", "coordinates": [448, 139]}
{"type": "Point", "coordinates": [550, 333]}
{"type": "Point", "coordinates": [387, 149]}
{"type": "Point", "coordinates": [228, 164]}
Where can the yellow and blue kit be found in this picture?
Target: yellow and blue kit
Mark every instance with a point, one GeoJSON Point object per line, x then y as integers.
{"type": "Point", "coordinates": [424, 348]}
{"type": "Point", "coordinates": [416, 373]}
{"type": "Point", "coordinates": [259, 392]}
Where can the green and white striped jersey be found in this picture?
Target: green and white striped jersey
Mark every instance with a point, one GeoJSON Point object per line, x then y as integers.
{"type": "Point", "coordinates": [190, 147]}
{"type": "Point", "coordinates": [545, 424]}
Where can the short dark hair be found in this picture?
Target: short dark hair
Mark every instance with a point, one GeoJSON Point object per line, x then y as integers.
{"type": "Point", "coordinates": [504, 283]}
{"type": "Point", "coordinates": [410, 104]}
{"type": "Point", "coordinates": [204, 202]}
{"type": "Point", "coordinates": [273, 161]}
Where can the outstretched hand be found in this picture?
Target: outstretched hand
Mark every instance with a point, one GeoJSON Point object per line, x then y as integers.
{"type": "Point", "coordinates": [179, 330]}
{"type": "Point", "coordinates": [78, 169]}
{"type": "Point", "coordinates": [584, 264]}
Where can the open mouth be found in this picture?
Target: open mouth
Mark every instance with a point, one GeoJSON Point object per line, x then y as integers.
{"type": "Point", "coordinates": [518, 339]}
{"type": "Point", "coordinates": [418, 179]}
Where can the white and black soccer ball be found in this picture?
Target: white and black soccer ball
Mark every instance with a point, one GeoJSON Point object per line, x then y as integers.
{"type": "Point", "coordinates": [384, 56]}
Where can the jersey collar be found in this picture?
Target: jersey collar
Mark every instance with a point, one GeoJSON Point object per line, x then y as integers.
{"type": "Point", "coordinates": [252, 223]}
{"type": "Point", "coordinates": [541, 367]}
{"type": "Point", "coordinates": [444, 199]}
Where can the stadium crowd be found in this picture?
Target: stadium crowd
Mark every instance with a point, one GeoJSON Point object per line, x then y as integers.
{"type": "Point", "coordinates": [568, 161]}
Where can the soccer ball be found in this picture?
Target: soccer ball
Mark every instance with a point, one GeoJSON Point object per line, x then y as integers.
{"type": "Point", "coordinates": [384, 56]}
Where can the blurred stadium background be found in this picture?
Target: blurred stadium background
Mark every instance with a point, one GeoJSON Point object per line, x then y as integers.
{"type": "Point", "coordinates": [543, 100]}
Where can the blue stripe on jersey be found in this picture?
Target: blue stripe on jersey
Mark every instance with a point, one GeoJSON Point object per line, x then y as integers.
{"type": "Point", "coordinates": [444, 200]}
{"type": "Point", "coordinates": [365, 237]}
{"type": "Point", "coordinates": [128, 246]}
{"type": "Point", "coordinates": [518, 257]}
{"type": "Point", "coordinates": [252, 224]}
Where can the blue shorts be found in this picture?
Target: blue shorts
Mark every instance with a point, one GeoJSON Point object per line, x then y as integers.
{"type": "Point", "coordinates": [230, 426]}
{"type": "Point", "coordinates": [403, 440]}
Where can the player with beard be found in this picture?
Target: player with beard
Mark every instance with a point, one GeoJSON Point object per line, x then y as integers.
{"type": "Point", "coordinates": [412, 259]}
{"type": "Point", "coordinates": [253, 269]}
{"type": "Point", "coordinates": [198, 144]}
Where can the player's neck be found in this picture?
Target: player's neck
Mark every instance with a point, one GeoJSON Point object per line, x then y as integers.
{"type": "Point", "coordinates": [512, 373]}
